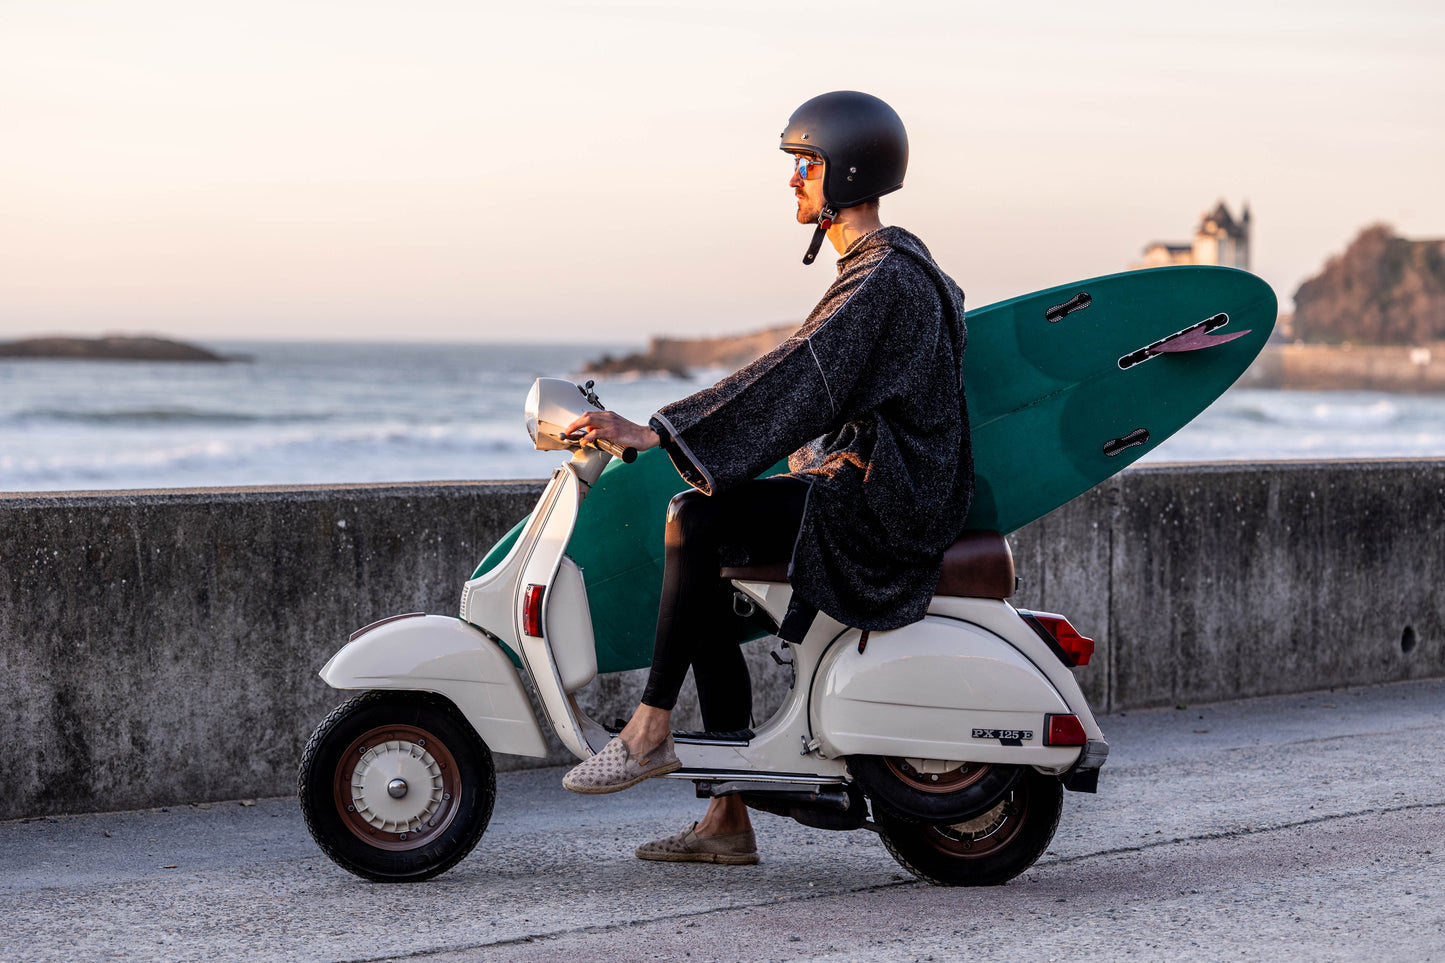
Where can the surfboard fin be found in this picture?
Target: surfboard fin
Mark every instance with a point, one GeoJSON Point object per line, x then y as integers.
{"type": "Point", "coordinates": [1196, 337]}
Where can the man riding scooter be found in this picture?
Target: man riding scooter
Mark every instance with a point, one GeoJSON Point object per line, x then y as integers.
{"type": "Point", "coordinates": [866, 402]}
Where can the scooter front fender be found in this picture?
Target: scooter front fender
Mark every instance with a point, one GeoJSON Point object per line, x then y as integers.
{"type": "Point", "coordinates": [435, 653]}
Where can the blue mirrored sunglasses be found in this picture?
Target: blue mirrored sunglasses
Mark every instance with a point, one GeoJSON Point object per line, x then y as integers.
{"type": "Point", "coordinates": [809, 167]}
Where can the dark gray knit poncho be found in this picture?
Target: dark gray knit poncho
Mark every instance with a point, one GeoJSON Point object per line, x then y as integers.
{"type": "Point", "coordinates": [868, 399]}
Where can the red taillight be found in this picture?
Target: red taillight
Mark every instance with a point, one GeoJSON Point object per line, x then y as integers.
{"type": "Point", "coordinates": [1078, 648]}
{"type": "Point", "coordinates": [1064, 731]}
{"type": "Point", "coordinates": [532, 611]}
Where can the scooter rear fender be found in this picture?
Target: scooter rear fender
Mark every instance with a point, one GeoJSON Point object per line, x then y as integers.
{"type": "Point", "coordinates": [435, 653]}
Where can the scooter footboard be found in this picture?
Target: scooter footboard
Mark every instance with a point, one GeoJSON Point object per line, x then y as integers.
{"type": "Point", "coordinates": [434, 653]}
{"type": "Point", "coordinates": [936, 689]}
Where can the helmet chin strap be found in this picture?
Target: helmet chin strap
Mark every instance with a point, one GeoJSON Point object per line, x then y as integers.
{"type": "Point", "coordinates": [825, 221]}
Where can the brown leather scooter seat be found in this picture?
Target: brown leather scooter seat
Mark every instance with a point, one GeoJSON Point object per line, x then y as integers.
{"type": "Point", "coordinates": [978, 565]}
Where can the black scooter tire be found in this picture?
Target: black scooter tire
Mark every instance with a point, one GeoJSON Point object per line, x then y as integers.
{"type": "Point", "coordinates": [989, 850]}
{"type": "Point", "coordinates": [465, 786]}
{"type": "Point", "coordinates": [902, 797]}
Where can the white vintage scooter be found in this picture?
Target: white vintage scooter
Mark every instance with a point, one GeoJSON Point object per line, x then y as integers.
{"type": "Point", "coordinates": [952, 737]}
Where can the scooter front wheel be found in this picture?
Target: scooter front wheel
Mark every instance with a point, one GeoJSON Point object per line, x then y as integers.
{"type": "Point", "coordinates": [396, 786]}
{"type": "Point", "coordinates": [987, 850]}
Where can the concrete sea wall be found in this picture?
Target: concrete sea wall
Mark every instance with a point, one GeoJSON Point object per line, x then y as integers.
{"type": "Point", "coordinates": [1204, 582]}
{"type": "Point", "coordinates": [162, 647]}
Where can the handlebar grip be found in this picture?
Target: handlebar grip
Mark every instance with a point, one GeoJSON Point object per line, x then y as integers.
{"type": "Point", "coordinates": [628, 455]}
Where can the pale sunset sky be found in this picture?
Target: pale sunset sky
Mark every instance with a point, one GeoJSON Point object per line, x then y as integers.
{"type": "Point", "coordinates": [473, 171]}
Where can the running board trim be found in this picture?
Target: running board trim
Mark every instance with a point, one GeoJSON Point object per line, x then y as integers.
{"type": "Point", "coordinates": [834, 796]}
{"type": "Point", "coordinates": [736, 775]}
{"type": "Point", "coordinates": [701, 741]}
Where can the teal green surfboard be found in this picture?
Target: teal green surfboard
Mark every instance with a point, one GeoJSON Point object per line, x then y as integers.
{"type": "Point", "coordinates": [1066, 387]}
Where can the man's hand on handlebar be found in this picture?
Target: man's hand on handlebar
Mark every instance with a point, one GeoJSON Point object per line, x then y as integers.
{"type": "Point", "coordinates": [610, 426]}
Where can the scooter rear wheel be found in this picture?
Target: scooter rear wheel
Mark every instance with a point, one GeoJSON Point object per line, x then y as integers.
{"type": "Point", "coordinates": [396, 786]}
{"type": "Point", "coordinates": [903, 793]}
{"type": "Point", "coordinates": [987, 850]}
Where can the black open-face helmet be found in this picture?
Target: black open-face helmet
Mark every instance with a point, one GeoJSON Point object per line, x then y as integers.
{"type": "Point", "coordinates": [863, 146]}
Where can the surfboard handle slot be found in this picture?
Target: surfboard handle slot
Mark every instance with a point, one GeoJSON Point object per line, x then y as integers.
{"type": "Point", "coordinates": [1058, 312]}
{"type": "Point", "coordinates": [1153, 350]}
{"type": "Point", "coordinates": [1139, 436]}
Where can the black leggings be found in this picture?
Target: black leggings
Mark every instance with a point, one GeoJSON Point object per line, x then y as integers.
{"type": "Point", "coordinates": [755, 523]}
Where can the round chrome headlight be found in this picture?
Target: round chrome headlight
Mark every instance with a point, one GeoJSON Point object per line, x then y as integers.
{"type": "Point", "coordinates": [530, 409]}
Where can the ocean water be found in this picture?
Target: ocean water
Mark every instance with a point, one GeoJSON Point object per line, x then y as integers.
{"type": "Point", "coordinates": [325, 413]}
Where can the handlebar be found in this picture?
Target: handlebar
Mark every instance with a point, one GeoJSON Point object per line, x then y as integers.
{"type": "Point", "coordinates": [628, 454]}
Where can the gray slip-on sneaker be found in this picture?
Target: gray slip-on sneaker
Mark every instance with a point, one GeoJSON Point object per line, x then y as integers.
{"type": "Point", "coordinates": [615, 768]}
{"type": "Point", "coordinates": [737, 849]}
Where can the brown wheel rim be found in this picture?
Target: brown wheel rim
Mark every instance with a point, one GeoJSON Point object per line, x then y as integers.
{"type": "Point", "coordinates": [941, 783]}
{"type": "Point", "coordinates": [396, 787]}
{"type": "Point", "coordinates": [986, 833]}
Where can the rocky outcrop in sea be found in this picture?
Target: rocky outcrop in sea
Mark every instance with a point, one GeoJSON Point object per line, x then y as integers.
{"type": "Point", "coordinates": [1383, 290]}
{"type": "Point", "coordinates": [113, 348]}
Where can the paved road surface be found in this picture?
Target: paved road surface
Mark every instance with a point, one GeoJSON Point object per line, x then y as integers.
{"type": "Point", "coordinates": [1299, 827]}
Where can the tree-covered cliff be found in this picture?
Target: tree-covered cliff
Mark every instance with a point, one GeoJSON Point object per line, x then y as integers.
{"type": "Point", "coordinates": [1384, 289]}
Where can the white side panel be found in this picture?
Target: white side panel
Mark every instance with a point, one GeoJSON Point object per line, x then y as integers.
{"type": "Point", "coordinates": [920, 691]}
{"type": "Point", "coordinates": [1003, 620]}
{"type": "Point", "coordinates": [438, 654]}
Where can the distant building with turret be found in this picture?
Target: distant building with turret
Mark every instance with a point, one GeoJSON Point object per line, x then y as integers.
{"type": "Point", "coordinates": [1219, 239]}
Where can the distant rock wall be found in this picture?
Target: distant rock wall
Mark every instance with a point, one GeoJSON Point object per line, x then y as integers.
{"type": "Point", "coordinates": [1416, 368]}
{"type": "Point", "coordinates": [1326, 367]}
{"type": "Point", "coordinates": [678, 356]}
{"type": "Point", "coordinates": [731, 352]}
{"type": "Point", "coordinates": [1384, 290]}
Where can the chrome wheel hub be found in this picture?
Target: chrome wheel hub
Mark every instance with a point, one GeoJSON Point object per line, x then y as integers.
{"type": "Point", "coordinates": [980, 825]}
{"type": "Point", "coordinates": [396, 786]}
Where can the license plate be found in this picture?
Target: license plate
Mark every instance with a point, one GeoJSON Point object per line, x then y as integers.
{"type": "Point", "coordinates": [1010, 734]}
